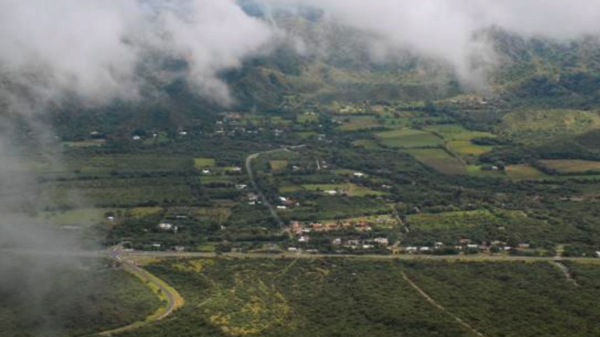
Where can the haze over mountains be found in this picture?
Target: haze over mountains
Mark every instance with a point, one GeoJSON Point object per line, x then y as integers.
{"type": "Point", "coordinates": [99, 51]}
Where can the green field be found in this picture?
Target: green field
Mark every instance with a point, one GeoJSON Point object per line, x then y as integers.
{"type": "Point", "coordinates": [354, 123]}
{"type": "Point", "coordinates": [278, 165]}
{"type": "Point", "coordinates": [572, 165]}
{"type": "Point", "coordinates": [104, 164]}
{"type": "Point", "coordinates": [338, 207]}
{"type": "Point", "coordinates": [117, 192]}
{"type": "Point", "coordinates": [409, 138]}
{"type": "Point", "coordinates": [536, 126]}
{"type": "Point", "coordinates": [204, 162]}
{"type": "Point", "coordinates": [476, 171]}
{"type": "Point", "coordinates": [78, 217]}
{"type": "Point", "coordinates": [524, 172]}
{"type": "Point", "coordinates": [452, 220]}
{"type": "Point", "coordinates": [439, 160]}
{"type": "Point", "coordinates": [459, 139]}
{"type": "Point", "coordinates": [347, 189]}
{"type": "Point", "coordinates": [368, 144]}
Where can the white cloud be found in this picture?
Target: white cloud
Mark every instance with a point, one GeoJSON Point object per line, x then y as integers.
{"type": "Point", "coordinates": [91, 48]}
{"type": "Point", "coordinates": [445, 29]}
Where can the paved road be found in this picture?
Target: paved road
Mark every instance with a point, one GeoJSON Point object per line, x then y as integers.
{"type": "Point", "coordinates": [483, 258]}
{"type": "Point", "coordinates": [174, 300]}
{"type": "Point", "coordinates": [125, 255]}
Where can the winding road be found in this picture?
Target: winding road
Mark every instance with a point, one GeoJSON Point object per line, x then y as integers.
{"type": "Point", "coordinates": [174, 300]}
{"type": "Point", "coordinates": [260, 193]}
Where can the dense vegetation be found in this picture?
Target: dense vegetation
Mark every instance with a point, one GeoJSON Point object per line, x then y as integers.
{"type": "Point", "coordinates": [70, 299]}
{"type": "Point", "coordinates": [342, 297]}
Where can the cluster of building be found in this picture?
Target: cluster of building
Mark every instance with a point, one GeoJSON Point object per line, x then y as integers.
{"type": "Point", "coordinates": [466, 245]}
{"type": "Point", "coordinates": [284, 203]}
{"type": "Point", "coordinates": [349, 243]}
{"type": "Point", "coordinates": [299, 228]}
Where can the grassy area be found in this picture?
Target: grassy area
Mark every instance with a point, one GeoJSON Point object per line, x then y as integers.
{"type": "Point", "coordinates": [459, 139]}
{"type": "Point", "coordinates": [572, 165]}
{"type": "Point", "coordinates": [204, 162]}
{"type": "Point", "coordinates": [476, 171]}
{"type": "Point", "coordinates": [105, 164]}
{"type": "Point", "coordinates": [439, 159]}
{"type": "Point", "coordinates": [535, 126]}
{"type": "Point", "coordinates": [85, 143]}
{"type": "Point", "coordinates": [524, 172]}
{"type": "Point", "coordinates": [347, 189]}
{"type": "Point", "coordinates": [409, 138]}
{"type": "Point", "coordinates": [355, 123]}
{"type": "Point", "coordinates": [78, 217]}
{"type": "Point", "coordinates": [118, 192]}
{"type": "Point", "coordinates": [278, 165]}
{"type": "Point", "coordinates": [368, 144]}
{"type": "Point", "coordinates": [450, 220]}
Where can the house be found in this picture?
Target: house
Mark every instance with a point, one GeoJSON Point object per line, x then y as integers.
{"type": "Point", "coordinates": [137, 138]}
{"type": "Point", "coordinates": [331, 225]}
{"type": "Point", "coordinates": [524, 245]}
{"type": "Point", "coordinates": [183, 133]}
{"type": "Point", "coordinates": [281, 207]}
{"type": "Point", "coordinates": [331, 192]}
{"type": "Point", "coordinates": [303, 239]}
{"type": "Point", "coordinates": [359, 174]}
{"type": "Point", "coordinates": [411, 249]}
{"type": "Point", "coordinates": [368, 246]}
{"type": "Point", "coordinates": [336, 241]}
{"type": "Point", "coordinates": [205, 171]}
{"type": "Point", "coordinates": [292, 249]}
{"type": "Point", "coordinates": [165, 226]}
{"type": "Point", "coordinates": [598, 254]}
{"type": "Point", "coordinates": [296, 227]}
{"type": "Point", "coordinates": [424, 249]}
{"type": "Point", "coordinates": [382, 241]}
{"type": "Point", "coordinates": [236, 169]}
{"type": "Point", "coordinates": [472, 246]}
{"type": "Point", "coordinates": [353, 243]}
{"type": "Point", "coordinates": [439, 244]}
{"type": "Point", "coordinates": [240, 187]}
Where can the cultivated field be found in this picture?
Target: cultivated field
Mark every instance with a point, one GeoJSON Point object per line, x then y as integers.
{"type": "Point", "coordinates": [409, 138]}
{"type": "Point", "coordinates": [439, 160]}
{"type": "Point", "coordinates": [572, 165]}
